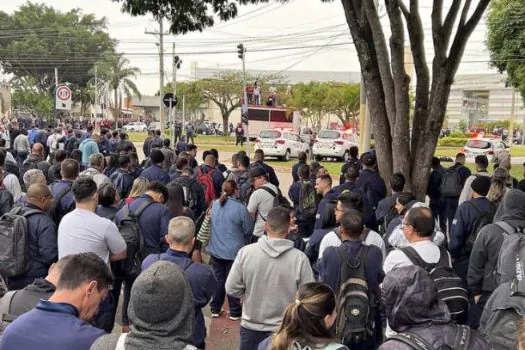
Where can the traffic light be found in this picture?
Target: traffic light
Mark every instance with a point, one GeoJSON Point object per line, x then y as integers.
{"type": "Point", "coordinates": [240, 51]}
{"type": "Point", "coordinates": [178, 62]}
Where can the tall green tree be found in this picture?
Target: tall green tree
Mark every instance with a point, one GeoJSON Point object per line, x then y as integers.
{"type": "Point", "coordinates": [116, 76]}
{"type": "Point", "coordinates": [36, 39]}
{"type": "Point", "coordinates": [506, 40]}
{"type": "Point", "coordinates": [343, 101]}
{"type": "Point", "coordinates": [27, 96]}
{"type": "Point", "coordinates": [193, 99]}
{"type": "Point", "coordinates": [402, 145]}
{"type": "Point", "coordinates": [311, 100]}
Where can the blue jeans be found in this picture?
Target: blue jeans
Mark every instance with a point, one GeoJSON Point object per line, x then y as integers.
{"type": "Point", "coordinates": [250, 340]}
{"type": "Point", "coordinates": [221, 269]}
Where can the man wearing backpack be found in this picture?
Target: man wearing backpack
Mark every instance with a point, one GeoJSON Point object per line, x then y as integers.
{"type": "Point", "coordinates": [482, 163]}
{"type": "Point", "coordinates": [413, 309]}
{"type": "Point", "coordinates": [41, 237]}
{"type": "Point", "coordinates": [355, 332]}
{"type": "Point", "coordinates": [61, 190]}
{"type": "Point", "coordinates": [258, 158]}
{"type": "Point", "coordinates": [352, 162]}
{"type": "Point", "coordinates": [303, 195]}
{"type": "Point", "coordinates": [323, 186]}
{"type": "Point", "coordinates": [242, 174]}
{"type": "Point", "coordinates": [207, 172]}
{"type": "Point", "coordinates": [155, 172]}
{"type": "Point", "coordinates": [181, 239]}
{"type": "Point", "coordinates": [193, 193]}
{"type": "Point", "coordinates": [386, 210]}
{"type": "Point", "coordinates": [261, 201]}
{"type": "Point", "coordinates": [452, 184]}
{"type": "Point", "coordinates": [482, 271]}
{"type": "Point", "coordinates": [121, 179]}
{"type": "Point", "coordinates": [370, 181]}
{"type": "Point", "coordinates": [301, 160]}
{"type": "Point", "coordinates": [470, 218]}
{"type": "Point", "coordinates": [285, 269]}
{"type": "Point", "coordinates": [35, 160]}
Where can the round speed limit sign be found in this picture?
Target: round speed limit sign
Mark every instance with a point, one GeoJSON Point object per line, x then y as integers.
{"type": "Point", "coordinates": [64, 93]}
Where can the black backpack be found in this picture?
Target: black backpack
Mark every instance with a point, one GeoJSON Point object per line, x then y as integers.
{"type": "Point", "coordinates": [461, 341]}
{"type": "Point", "coordinates": [451, 289]}
{"type": "Point", "coordinates": [390, 215]}
{"type": "Point", "coordinates": [482, 219]}
{"type": "Point", "coordinates": [307, 200]}
{"type": "Point", "coordinates": [55, 210]}
{"type": "Point", "coordinates": [451, 183]}
{"type": "Point", "coordinates": [279, 199]}
{"type": "Point", "coordinates": [129, 228]}
{"type": "Point", "coordinates": [356, 302]}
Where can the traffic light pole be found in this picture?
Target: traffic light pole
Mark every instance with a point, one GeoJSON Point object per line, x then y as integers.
{"type": "Point", "coordinates": [245, 104]}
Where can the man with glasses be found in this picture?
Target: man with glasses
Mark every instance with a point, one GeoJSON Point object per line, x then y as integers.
{"type": "Point", "coordinates": [262, 199]}
{"type": "Point", "coordinates": [418, 227]}
{"type": "Point", "coordinates": [41, 240]}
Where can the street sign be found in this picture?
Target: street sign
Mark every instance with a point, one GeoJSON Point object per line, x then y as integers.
{"type": "Point", "coordinates": [170, 100]}
{"type": "Point", "coordinates": [63, 97]}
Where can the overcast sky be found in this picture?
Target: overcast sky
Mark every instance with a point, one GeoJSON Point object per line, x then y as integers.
{"type": "Point", "coordinates": [272, 26]}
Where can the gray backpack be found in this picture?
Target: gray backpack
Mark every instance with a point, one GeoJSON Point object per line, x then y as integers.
{"type": "Point", "coordinates": [13, 234]}
{"type": "Point", "coordinates": [502, 329]}
{"type": "Point", "coordinates": [511, 257]}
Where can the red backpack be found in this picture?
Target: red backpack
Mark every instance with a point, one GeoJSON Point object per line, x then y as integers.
{"type": "Point", "coordinates": [206, 181]}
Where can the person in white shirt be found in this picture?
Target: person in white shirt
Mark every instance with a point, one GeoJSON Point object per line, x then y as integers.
{"type": "Point", "coordinates": [348, 201]}
{"type": "Point", "coordinates": [418, 228]}
{"type": "Point", "coordinates": [482, 163]}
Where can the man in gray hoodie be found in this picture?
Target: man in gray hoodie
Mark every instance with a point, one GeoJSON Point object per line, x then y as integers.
{"type": "Point", "coordinates": [267, 275]}
{"type": "Point", "coordinates": [484, 257]}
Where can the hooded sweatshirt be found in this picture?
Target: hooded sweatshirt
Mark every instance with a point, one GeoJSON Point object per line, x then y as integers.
{"type": "Point", "coordinates": [412, 304]}
{"type": "Point", "coordinates": [160, 311]}
{"type": "Point", "coordinates": [267, 275]}
{"type": "Point", "coordinates": [484, 257]}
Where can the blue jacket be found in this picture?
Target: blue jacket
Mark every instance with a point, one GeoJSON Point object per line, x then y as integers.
{"type": "Point", "coordinates": [463, 225]}
{"type": "Point", "coordinates": [373, 186]}
{"type": "Point", "coordinates": [112, 145]}
{"type": "Point", "coordinates": [384, 206]}
{"type": "Point", "coordinates": [312, 248]}
{"type": "Point", "coordinates": [330, 196]}
{"type": "Point", "coordinates": [294, 193]}
{"type": "Point", "coordinates": [231, 227]}
{"type": "Point", "coordinates": [41, 243]}
{"type": "Point", "coordinates": [180, 147]}
{"type": "Point", "coordinates": [155, 173]}
{"type": "Point", "coordinates": [153, 222]}
{"type": "Point", "coordinates": [50, 326]}
{"type": "Point", "coordinates": [295, 169]}
{"type": "Point", "coordinates": [88, 147]}
{"type": "Point", "coordinates": [368, 212]}
{"type": "Point", "coordinates": [122, 181]}
{"type": "Point", "coordinates": [271, 173]}
{"type": "Point", "coordinates": [352, 162]}
{"type": "Point", "coordinates": [216, 176]}
{"type": "Point", "coordinates": [67, 203]}
{"type": "Point", "coordinates": [202, 283]}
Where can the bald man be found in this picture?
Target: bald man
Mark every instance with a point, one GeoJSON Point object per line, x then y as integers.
{"type": "Point", "coordinates": [35, 160]}
{"type": "Point", "coordinates": [41, 243]}
{"type": "Point", "coordinates": [209, 168]}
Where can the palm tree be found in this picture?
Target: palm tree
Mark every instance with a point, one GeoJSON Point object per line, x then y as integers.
{"type": "Point", "coordinates": [114, 69]}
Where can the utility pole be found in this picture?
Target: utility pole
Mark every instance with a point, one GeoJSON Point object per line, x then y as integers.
{"type": "Point", "coordinates": [241, 50]}
{"type": "Point", "coordinates": [177, 62]}
{"type": "Point", "coordinates": [96, 91]}
{"type": "Point", "coordinates": [55, 114]}
{"type": "Point", "coordinates": [512, 117]}
{"type": "Point", "coordinates": [184, 111]}
{"type": "Point", "coordinates": [161, 34]}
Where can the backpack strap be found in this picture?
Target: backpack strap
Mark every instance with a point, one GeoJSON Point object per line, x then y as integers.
{"type": "Point", "coordinates": [140, 209]}
{"type": "Point", "coordinates": [416, 259]}
{"type": "Point", "coordinates": [507, 229]}
{"type": "Point", "coordinates": [5, 306]}
{"type": "Point", "coordinates": [462, 340]}
{"type": "Point", "coordinates": [357, 263]}
{"type": "Point", "coordinates": [270, 191]}
{"type": "Point", "coordinates": [413, 340]}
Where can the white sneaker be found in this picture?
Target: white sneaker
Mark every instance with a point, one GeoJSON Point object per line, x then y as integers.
{"type": "Point", "coordinates": [216, 315]}
{"type": "Point", "coordinates": [234, 318]}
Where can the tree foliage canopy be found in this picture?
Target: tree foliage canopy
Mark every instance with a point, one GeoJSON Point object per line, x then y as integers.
{"type": "Point", "coordinates": [506, 40]}
{"type": "Point", "coordinates": [37, 38]}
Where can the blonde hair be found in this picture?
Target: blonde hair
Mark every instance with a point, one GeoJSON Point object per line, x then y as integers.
{"type": "Point", "coordinates": [498, 188]}
{"type": "Point", "coordinates": [303, 321]}
{"type": "Point", "coordinates": [140, 186]}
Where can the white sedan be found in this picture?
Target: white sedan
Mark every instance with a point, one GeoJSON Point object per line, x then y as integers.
{"type": "Point", "coordinates": [334, 144]}
{"type": "Point", "coordinates": [136, 126]}
{"type": "Point", "coordinates": [281, 143]}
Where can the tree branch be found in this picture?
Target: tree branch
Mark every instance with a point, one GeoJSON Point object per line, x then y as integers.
{"type": "Point", "coordinates": [403, 9]}
{"type": "Point", "coordinates": [464, 13]}
{"type": "Point", "coordinates": [450, 19]}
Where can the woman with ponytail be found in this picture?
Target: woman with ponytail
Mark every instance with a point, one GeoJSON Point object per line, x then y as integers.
{"type": "Point", "coordinates": [306, 322]}
{"type": "Point", "coordinates": [231, 227]}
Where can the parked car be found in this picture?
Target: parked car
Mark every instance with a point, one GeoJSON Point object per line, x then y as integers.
{"type": "Point", "coordinates": [204, 129]}
{"type": "Point", "coordinates": [281, 143]}
{"type": "Point", "coordinates": [484, 146]}
{"type": "Point", "coordinates": [136, 126]}
{"type": "Point", "coordinates": [154, 126]}
{"type": "Point", "coordinates": [334, 144]}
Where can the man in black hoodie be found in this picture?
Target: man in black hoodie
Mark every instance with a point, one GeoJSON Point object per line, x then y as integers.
{"type": "Point", "coordinates": [370, 182]}
{"type": "Point", "coordinates": [484, 256]}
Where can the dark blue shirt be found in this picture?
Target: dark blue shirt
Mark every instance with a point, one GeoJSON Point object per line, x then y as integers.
{"type": "Point", "coordinates": [295, 169]}
{"type": "Point", "coordinates": [328, 197]}
{"type": "Point", "coordinates": [294, 193]}
{"type": "Point", "coordinates": [122, 181]}
{"type": "Point", "coordinates": [155, 173]}
{"type": "Point", "coordinates": [50, 326]}
{"type": "Point", "coordinates": [373, 186]}
{"type": "Point", "coordinates": [463, 224]}
{"type": "Point", "coordinates": [202, 284]}
{"type": "Point", "coordinates": [153, 222]}
{"type": "Point", "coordinates": [67, 203]}
{"type": "Point", "coordinates": [351, 162]}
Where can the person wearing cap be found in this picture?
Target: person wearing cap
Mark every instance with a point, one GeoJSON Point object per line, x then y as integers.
{"type": "Point", "coordinates": [155, 172]}
{"type": "Point", "coordinates": [467, 217]}
{"type": "Point", "coordinates": [181, 239]}
{"type": "Point", "coordinates": [160, 311]}
{"type": "Point", "coordinates": [370, 181]}
{"type": "Point", "coordinates": [261, 201]}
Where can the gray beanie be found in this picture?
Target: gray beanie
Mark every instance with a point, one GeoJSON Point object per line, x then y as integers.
{"type": "Point", "coordinates": [160, 309]}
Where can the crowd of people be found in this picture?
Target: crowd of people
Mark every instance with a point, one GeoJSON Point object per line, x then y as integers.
{"type": "Point", "coordinates": [87, 227]}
